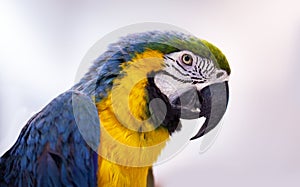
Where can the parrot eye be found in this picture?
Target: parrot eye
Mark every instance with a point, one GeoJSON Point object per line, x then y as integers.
{"type": "Point", "coordinates": [187, 59]}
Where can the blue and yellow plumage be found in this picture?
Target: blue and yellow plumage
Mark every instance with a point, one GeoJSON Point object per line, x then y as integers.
{"type": "Point", "coordinates": [105, 131]}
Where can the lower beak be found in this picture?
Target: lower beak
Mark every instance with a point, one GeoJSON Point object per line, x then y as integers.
{"type": "Point", "coordinates": [210, 102]}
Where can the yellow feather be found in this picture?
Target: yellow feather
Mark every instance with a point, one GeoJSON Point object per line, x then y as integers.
{"type": "Point", "coordinates": [129, 142]}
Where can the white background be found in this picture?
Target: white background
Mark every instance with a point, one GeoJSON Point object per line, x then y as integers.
{"type": "Point", "coordinates": [43, 42]}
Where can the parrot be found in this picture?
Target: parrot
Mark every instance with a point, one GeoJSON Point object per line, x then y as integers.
{"type": "Point", "coordinates": [110, 127]}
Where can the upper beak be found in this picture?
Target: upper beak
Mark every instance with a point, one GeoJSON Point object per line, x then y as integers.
{"type": "Point", "coordinates": [214, 103]}
{"type": "Point", "coordinates": [210, 102]}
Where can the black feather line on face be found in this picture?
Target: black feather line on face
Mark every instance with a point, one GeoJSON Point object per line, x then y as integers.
{"type": "Point", "coordinates": [171, 121]}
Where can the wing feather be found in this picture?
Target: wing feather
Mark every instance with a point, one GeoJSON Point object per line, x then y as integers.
{"type": "Point", "coordinates": [52, 148]}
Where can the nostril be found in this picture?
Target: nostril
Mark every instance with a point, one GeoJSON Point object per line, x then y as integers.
{"type": "Point", "coordinates": [220, 74]}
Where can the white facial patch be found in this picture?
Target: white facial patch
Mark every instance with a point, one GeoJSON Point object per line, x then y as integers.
{"type": "Point", "coordinates": [184, 70]}
{"type": "Point", "coordinates": [169, 86]}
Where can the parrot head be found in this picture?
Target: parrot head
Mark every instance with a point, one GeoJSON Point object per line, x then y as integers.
{"type": "Point", "coordinates": [195, 85]}
{"type": "Point", "coordinates": [167, 75]}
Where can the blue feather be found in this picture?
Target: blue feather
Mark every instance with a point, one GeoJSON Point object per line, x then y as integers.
{"type": "Point", "coordinates": [51, 150]}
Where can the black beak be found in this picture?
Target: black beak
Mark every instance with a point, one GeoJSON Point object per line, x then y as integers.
{"type": "Point", "coordinates": [211, 103]}
{"type": "Point", "coordinates": [214, 103]}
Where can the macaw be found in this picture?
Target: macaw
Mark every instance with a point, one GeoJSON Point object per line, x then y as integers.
{"type": "Point", "coordinates": [111, 126]}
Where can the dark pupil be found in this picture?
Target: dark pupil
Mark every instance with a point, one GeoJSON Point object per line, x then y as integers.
{"type": "Point", "coordinates": [186, 58]}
